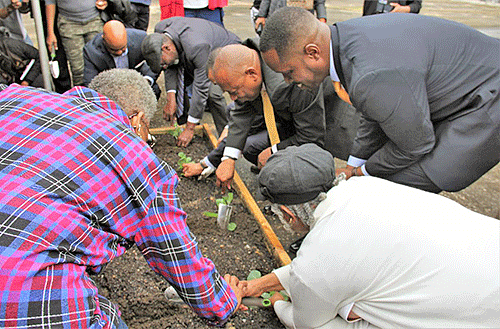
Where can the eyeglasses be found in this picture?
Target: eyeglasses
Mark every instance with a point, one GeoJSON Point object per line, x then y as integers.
{"type": "Point", "coordinates": [151, 140]}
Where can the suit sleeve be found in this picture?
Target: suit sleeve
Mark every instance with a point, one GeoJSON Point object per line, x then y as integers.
{"type": "Point", "coordinates": [306, 111]}
{"type": "Point", "coordinates": [89, 69]}
{"type": "Point", "coordinates": [264, 8]}
{"type": "Point", "coordinates": [201, 83]}
{"type": "Point", "coordinates": [396, 102]}
{"type": "Point", "coordinates": [240, 123]}
{"type": "Point", "coordinates": [170, 76]}
{"type": "Point", "coordinates": [319, 7]}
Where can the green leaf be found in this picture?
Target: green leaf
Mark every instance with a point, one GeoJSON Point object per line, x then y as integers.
{"type": "Point", "coordinates": [181, 155]}
{"type": "Point", "coordinates": [254, 274]}
{"type": "Point", "coordinates": [209, 214]}
{"type": "Point", "coordinates": [219, 201]}
{"type": "Point", "coordinates": [231, 226]}
{"type": "Point", "coordinates": [266, 295]}
{"type": "Point", "coordinates": [229, 198]}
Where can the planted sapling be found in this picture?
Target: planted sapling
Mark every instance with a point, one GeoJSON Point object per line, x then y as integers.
{"type": "Point", "coordinates": [183, 158]}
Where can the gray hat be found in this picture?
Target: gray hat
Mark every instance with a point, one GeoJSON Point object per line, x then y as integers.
{"type": "Point", "coordinates": [151, 50]}
{"type": "Point", "coordinates": [297, 174]}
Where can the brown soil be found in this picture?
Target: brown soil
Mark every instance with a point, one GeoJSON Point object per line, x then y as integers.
{"type": "Point", "coordinates": [129, 282]}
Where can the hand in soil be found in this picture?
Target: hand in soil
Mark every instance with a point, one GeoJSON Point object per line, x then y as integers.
{"type": "Point", "coordinates": [225, 174]}
{"type": "Point", "coordinates": [186, 136]}
{"type": "Point", "coordinates": [192, 169]}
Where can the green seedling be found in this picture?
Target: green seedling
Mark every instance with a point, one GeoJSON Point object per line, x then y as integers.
{"type": "Point", "coordinates": [255, 274]}
{"type": "Point", "coordinates": [183, 159]}
{"type": "Point", "coordinates": [176, 131]}
{"type": "Point", "coordinates": [225, 200]}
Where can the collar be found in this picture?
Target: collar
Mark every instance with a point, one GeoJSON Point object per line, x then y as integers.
{"type": "Point", "coordinates": [333, 72]}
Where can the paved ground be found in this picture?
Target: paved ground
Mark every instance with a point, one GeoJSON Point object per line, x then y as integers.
{"type": "Point", "coordinates": [482, 196]}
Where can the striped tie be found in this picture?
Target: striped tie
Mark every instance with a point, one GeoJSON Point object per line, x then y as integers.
{"type": "Point", "coordinates": [180, 91]}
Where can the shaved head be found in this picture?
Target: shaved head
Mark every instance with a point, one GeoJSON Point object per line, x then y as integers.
{"type": "Point", "coordinates": [114, 35]}
{"type": "Point", "coordinates": [232, 60]}
{"type": "Point", "coordinates": [236, 69]}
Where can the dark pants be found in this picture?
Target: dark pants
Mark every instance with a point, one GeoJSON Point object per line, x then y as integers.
{"type": "Point", "coordinates": [254, 144]}
{"type": "Point", "coordinates": [142, 12]}
{"type": "Point", "coordinates": [215, 15]}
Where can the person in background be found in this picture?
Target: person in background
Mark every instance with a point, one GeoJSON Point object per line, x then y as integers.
{"type": "Point", "coordinates": [372, 7]}
{"type": "Point", "coordinates": [141, 8]}
{"type": "Point", "coordinates": [180, 47]}
{"type": "Point", "coordinates": [268, 7]}
{"type": "Point", "coordinates": [10, 17]}
{"type": "Point", "coordinates": [117, 47]}
{"type": "Point", "coordinates": [19, 62]}
{"type": "Point", "coordinates": [78, 23]}
{"type": "Point", "coordinates": [85, 188]}
{"type": "Point", "coordinates": [418, 261]}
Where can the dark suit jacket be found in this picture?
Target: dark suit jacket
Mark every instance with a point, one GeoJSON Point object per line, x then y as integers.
{"type": "Point", "coordinates": [194, 39]}
{"type": "Point", "coordinates": [429, 92]}
{"type": "Point", "coordinates": [97, 59]}
{"type": "Point", "coordinates": [300, 115]}
{"type": "Point", "coordinates": [370, 6]}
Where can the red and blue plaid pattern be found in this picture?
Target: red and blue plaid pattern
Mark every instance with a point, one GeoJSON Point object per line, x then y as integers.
{"type": "Point", "coordinates": [77, 188]}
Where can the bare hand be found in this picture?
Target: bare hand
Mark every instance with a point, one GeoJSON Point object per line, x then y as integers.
{"type": "Point", "coordinates": [399, 9]}
{"type": "Point", "coordinates": [192, 169]}
{"type": "Point", "coordinates": [222, 135]}
{"type": "Point", "coordinates": [51, 40]}
{"type": "Point", "coordinates": [16, 4]}
{"type": "Point", "coordinates": [225, 174]}
{"type": "Point", "coordinates": [101, 4]}
{"type": "Point", "coordinates": [234, 284]}
{"type": "Point", "coordinates": [349, 171]}
{"type": "Point", "coordinates": [263, 157]}
{"type": "Point", "coordinates": [186, 135]}
{"type": "Point", "coordinates": [275, 297]}
{"type": "Point", "coordinates": [169, 112]}
{"type": "Point", "coordinates": [322, 20]}
{"type": "Point", "coordinates": [260, 21]}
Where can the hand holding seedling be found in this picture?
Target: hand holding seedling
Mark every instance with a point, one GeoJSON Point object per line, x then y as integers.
{"type": "Point", "coordinates": [183, 159]}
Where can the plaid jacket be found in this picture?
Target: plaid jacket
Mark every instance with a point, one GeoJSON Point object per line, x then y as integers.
{"type": "Point", "coordinates": [74, 194]}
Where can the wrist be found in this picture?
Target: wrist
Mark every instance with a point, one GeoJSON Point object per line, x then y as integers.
{"type": "Point", "coordinates": [190, 126]}
{"type": "Point", "coordinates": [224, 158]}
{"type": "Point", "coordinates": [354, 171]}
{"type": "Point", "coordinates": [203, 164]}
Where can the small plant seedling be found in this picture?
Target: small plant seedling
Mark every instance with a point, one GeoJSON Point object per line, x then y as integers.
{"type": "Point", "coordinates": [254, 274]}
{"type": "Point", "coordinates": [183, 158]}
{"type": "Point", "coordinates": [222, 219]}
{"type": "Point", "coordinates": [176, 131]}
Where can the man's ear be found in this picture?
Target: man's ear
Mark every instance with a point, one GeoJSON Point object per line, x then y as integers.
{"type": "Point", "coordinates": [312, 50]}
{"type": "Point", "coordinates": [252, 72]}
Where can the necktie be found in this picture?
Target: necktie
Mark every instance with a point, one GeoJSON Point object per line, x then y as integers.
{"type": "Point", "coordinates": [269, 118]}
{"type": "Point", "coordinates": [180, 91]}
{"type": "Point", "coordinates": [343, 95]}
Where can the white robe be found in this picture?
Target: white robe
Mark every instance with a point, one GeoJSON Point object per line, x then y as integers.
{"type": "Point", "coordinates": [405, 258]}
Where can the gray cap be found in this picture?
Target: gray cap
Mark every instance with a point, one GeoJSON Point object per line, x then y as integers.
{"type": "Point", "coordinates": [297, 174]}
{"type": "Point", "coordinates": [151, 50]}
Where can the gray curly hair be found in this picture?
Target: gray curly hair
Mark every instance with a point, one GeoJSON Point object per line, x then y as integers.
{"type": "Point", "coordinates": [128, 88]}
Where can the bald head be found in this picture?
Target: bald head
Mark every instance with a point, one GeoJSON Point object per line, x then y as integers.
{"type": "Point", "coordinates": [288, 28]}
{"type": "Point", "coordinates": [114, 35]}
{"type": "Point", "coordinates": [232, 60]}
{"type": "Point", "coordinates": [236, 68]}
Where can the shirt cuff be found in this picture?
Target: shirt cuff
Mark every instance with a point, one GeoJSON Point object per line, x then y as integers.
{"type": "Point", "coordinates": [172, 91]}
{"type": "Point", "coordinates": [208, 163]}
{"type": "Point", "coordinates": [193, 119]}
{"type": "Point", "coordinates": [150, 80]}
{"type": "Point", "coordinates": [363, 169]}
{"type": "Point", "coordinates": [355, 162]}
{"type": "Point", "coordinates": [274, 148]}
{"type": "Point", "coordinates": [283, 274]}
{"type": "Point", "coordinates": [232, 152]}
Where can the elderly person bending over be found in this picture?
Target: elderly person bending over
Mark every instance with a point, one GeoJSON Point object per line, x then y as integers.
{"type": "Point", "coordinates": [420, 261]}
{"type": "Point", "coordinates": [79, 187]}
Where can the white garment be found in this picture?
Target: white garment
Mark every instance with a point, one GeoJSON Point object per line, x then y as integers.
{"type": "Point", "coordinates": [195, 4]}
{"type": "Point", "coordinates": [406, 259]}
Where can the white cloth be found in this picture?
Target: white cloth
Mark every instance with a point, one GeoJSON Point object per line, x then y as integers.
{"type": "Point", "coordinates": [406, 259]}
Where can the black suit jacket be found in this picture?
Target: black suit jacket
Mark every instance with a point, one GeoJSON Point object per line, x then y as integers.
{"type": "Point", "coordinates": [194, 39]}
{"type": "Point", "coordinates": [429, 92]}
{"type": "Point", "coordinates": [97, 59]}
